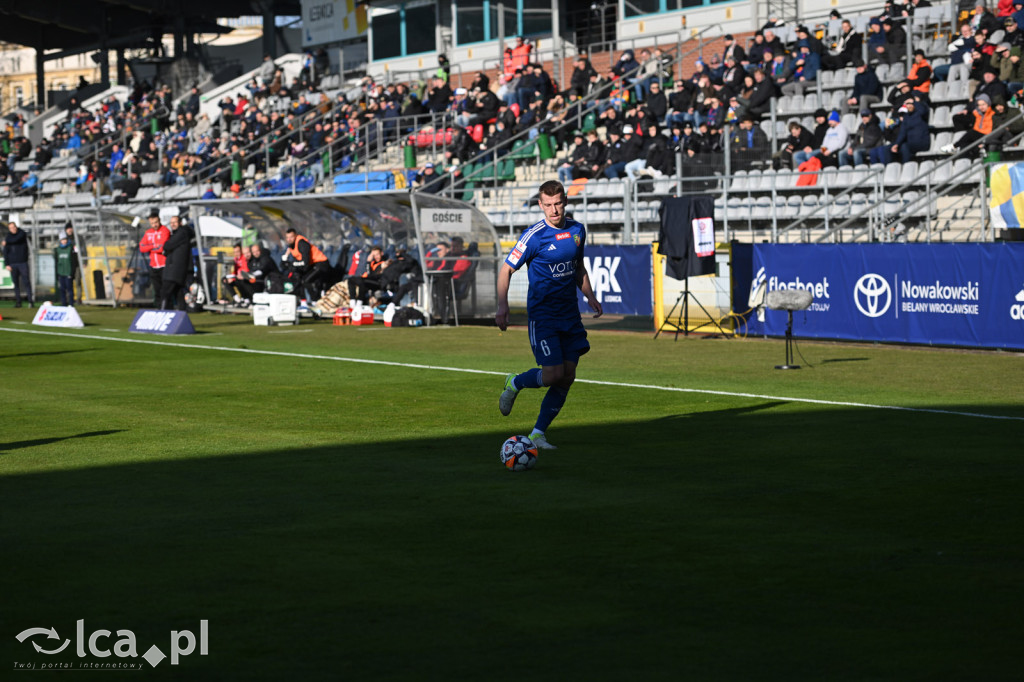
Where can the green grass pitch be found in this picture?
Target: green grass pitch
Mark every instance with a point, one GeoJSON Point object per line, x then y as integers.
{"type": "Point", "coordinates": [352, 521]}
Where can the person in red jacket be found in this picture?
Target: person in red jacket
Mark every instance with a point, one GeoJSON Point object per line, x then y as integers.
{"type": "Point", "coordinates": [240, 280]}
{"type": "Point", "coordinates": [153, 244]}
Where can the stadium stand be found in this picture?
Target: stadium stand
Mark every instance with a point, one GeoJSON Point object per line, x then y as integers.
{"type": "Point", "coordinates": [292, 134]}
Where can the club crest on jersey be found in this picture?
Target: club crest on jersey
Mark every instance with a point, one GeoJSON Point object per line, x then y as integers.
{"type": "Point", "coordinates": [562, 235]}
{"type": "Point", "coordinates": [576, 238]}
{"type": "Point", "coordinates": [515, 256]}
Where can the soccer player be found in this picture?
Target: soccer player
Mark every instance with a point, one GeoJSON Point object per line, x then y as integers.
{"type": "Point", "coordinates": [553, 249]}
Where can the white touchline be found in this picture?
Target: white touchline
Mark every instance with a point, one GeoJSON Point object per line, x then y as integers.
{"type": "Point", "coordinates": [410, 365]}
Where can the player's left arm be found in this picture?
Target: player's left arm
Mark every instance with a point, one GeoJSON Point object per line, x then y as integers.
{"type": "Point", "coordinates": [583, 282]}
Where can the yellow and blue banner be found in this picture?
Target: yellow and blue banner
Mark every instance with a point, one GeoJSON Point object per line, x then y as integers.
{"type": "Point", "coordinates": [1006, 205]}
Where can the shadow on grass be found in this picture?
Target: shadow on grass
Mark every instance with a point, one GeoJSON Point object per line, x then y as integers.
{"type": "Point", "coordinates": [46, 352]}
{"type": "Point", "coordinates": [17, 445]}
{"type": "Point", "coordinates": [830, 360]}
{"type": "Point", "coordinates": [648, 549]}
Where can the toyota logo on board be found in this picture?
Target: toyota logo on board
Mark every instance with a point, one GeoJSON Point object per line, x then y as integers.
{"type": "Point", "coordinates": [872, 295]}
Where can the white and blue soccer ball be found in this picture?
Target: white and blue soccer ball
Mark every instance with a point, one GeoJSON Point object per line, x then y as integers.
{"type": "Point", "coordinates": [518, 453]}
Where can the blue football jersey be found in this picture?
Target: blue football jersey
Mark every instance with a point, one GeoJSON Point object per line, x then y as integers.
{"type": "Point", "coordinates": [554, 256]}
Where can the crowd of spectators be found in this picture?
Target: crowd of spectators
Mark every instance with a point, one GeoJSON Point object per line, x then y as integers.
{"type": "Point", "coordinates": [647, 112]}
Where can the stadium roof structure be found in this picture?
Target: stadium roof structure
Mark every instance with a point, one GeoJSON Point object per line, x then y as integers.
{"type": "Point", "coordinates": [110, 24]}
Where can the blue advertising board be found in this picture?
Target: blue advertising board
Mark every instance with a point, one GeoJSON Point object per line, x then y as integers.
{"type": "Point", "coordinates": [622, 277]}
{"type": "Point", "coordinates": [162, 322]}
{"type": "Point", "coordinates": [947, 294]}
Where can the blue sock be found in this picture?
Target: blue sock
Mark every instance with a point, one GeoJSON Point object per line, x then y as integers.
{"type": "Point", "coordinates": [528, 379]}
{"type": "Point", "coordinates": [550, 406]}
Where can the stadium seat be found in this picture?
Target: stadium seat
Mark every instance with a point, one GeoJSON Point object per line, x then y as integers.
{"type": "Point", "coordinates": [739, 182]}
{"type": "Point", "coordinates": [767, 180]}
{"type": "Point", "coordinates": [908, 172]}
{"type": "Point", "coordinates": [882, 71]}
{"type": "Point", "coordinates": [941, 174]}
{"type": "Point", "coordinates": [938, 91]}
{"type": "Point", "coordinates": [892, 174]}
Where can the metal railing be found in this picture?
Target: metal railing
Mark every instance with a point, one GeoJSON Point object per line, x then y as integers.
{"type": "Point", "coordinates": [934, 191]}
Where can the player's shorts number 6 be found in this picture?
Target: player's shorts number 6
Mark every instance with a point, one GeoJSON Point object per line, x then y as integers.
{"type": "Point", "coordinates": [544, 348]}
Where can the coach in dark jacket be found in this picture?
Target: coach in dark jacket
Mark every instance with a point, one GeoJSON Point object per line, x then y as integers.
{"type": "Point", "coordinates": [16, 254]}
{"type": "Point", "coordinates": [178, 249]}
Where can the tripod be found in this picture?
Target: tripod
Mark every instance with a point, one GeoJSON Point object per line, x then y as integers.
{"type": "Point", "coordinates": [789, 345]}
{"type": "Point", "coordinates": [684, 300]}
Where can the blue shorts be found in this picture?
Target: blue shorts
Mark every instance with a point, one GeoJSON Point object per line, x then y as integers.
{"type": "Point", "coordinates": [556, 342]}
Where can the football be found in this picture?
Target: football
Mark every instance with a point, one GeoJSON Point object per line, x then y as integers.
{"type": "Point", "coordinates": [518, 453]}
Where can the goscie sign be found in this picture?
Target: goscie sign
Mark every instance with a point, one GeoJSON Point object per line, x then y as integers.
{"type": "Point", "coordinates": [446, 220]}
{"type": "Point", "coordinates": [57, 316]}
{"type": "Point", "coordinates": [162, 322]}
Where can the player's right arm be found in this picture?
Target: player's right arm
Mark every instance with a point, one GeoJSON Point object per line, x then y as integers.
{"type": "Point", "coordinates": [504, 278]}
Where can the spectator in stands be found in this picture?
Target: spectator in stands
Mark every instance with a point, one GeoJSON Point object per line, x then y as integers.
{"type": "Point", "coordinates": [781, 69]}
{"type": "Point", "coordinates": [714, 117]}
{"type": "Point", "coordinates": [980, 120]}
{"type": "Point", "coordinates": [266, 71]}
{"type": "Point", "coordinates": [919, 78]}
{"type": "Point", "coordinates": [992, 86]}
{"type": "Point", "coordinates": [867, 89]}
{"type": "Point", "coordinates": [805, 71]}
{"type": "Point", "coordinates": [428, 181]}
{"type": "Point", "coordinates": [439, 96]}
{"type": "Point", "coordinates": [867, 136]}
{"type": "Point", "coordinates": [773, 42]}
{"type": "Point", "coordinates": [1003, 115]}
{"type": "Point", "coordinates": [912, 137]}
{"type": "Point", "coordinates": [521, 53]}
{"type": "Point", "coordinates": [581, 72]}
{"type": "Point", "coordinates": [733, 78]}
{"type": "Point", "coordinates": [1012, 33]}
{"type": "Point", "coordinates": [482, 108]}
{"type": "Point", "coordinates": [800, 138]}
{"type": "Point", "coordinates": [821, 121]}
{"type": "Point", "coordinates": [847, 48]}
{"type": "Point", "coordinates": [758, 103]}
{"type": "Point", "coordinates": [128, 187]}
{"type": "Point", "coordinates": [895, 47]}
{"type": "Point", "coordinates": [900, 94]}
{"type": "Point", "coordinates": [1018, 12]}
{"type": "Point", "coordinates": [656, 102]}
{"type": "Point", "coordinates": [982, 18]}
{"type": "Point", "coordinates": [1007, 60]}
{"type": "Point", "coordinates": [576, 158]}
{"type": "Point", "coordinates": [834, 141]}
{"type": "Point", "coordinates": [680, 103]}
{"type": "Point", "coordinates": [960, 47]}
{"type": "Point", "coordinates": [749, 144]}
{"type": "Point", "coordinates": [876, 40]}
{"type": "Point", "coordinates": [615, 155]}
{"type": "Point", "coordinates": [805, 37]}
{"type": "Point", "coordinates": [733, 49]}
{"type": "Point", "coordinates": [593, 159]}
{"type": "Point", "coordinates": [625, 69]}
{"type": "Point", "coordinates": [656, 160]}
